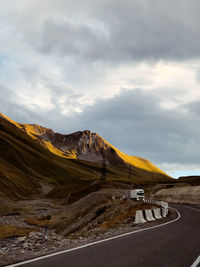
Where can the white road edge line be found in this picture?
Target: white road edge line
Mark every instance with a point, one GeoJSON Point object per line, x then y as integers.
{"type": "Point", "coordinates": [94, 243]}
{"type": "Point", "coordinates": [197, 261]}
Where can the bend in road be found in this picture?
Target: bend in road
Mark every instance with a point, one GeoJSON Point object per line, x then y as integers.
{"type": "Point", "coordinates": [175, 244]}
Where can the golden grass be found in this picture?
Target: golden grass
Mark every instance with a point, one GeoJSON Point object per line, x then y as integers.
{"type": "Point", "coordinates": [10, 120]}
{"type": "Point", "coordinates": [37, 222]}
{"type": "Point", "coordinates": [118, 219]}
{"type": "Point", "coordinates": [10, 231]}
{"type": "Point", "coordinates": [34, 131]}
{"type": "Point", "coordinates": [121, 217]}
{"type": "Point", "coordinates": [25, 162]}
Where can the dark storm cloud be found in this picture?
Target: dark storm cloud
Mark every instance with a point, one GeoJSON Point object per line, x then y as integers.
{"type": "Point", "coordinates": [120, 31]}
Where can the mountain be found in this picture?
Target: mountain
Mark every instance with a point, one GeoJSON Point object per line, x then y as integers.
{"type": "Point", "coordinates": [33, 157]}
{"type": "Point", "coordinates": [84, 145]}
{"type": "Point", "coordinates": [192, 180]}
{"type": "Point", "coordinates": [26, 166]}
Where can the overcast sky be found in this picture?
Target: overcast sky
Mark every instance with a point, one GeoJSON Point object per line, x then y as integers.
{"type": "Point", "coordinates": [128, 70]}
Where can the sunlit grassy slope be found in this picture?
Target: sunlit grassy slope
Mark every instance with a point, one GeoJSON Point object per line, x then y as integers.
{"type": "Point", "coordinates": [25, 163]}
{"type": "Point", "coordinates": [35, 131]}
{"type": "Point", "coordinates": [137, 162]}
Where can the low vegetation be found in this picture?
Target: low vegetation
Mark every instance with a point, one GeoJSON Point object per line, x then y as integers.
{"type": "Point", "coordinates": [13, 231]}
{"type": "Point", "coordinates": [94, 213]}
{"type": "Point", "coordinates": [40, 222]}
{"type": "Point", "coordinates": [123, 212]}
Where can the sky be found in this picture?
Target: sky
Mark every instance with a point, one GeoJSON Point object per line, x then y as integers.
{"type": "Point", "coordinates": [128, 70]}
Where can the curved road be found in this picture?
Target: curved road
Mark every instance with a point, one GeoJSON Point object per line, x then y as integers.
{"type": "Point", "coordinates": [172, 245]}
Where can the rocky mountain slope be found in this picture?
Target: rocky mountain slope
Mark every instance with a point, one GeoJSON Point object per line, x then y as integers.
{"type": "Point", "coordinates": [28, 167]}
{"type": "Point", "coordinates": [85, 145]}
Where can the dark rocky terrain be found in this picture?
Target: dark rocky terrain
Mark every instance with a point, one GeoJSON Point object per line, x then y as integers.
{"type": "Point", "coordinates": [191, 180]}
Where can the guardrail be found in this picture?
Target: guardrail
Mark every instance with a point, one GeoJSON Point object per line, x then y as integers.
{"type": "Point", "coordinates": [149, 215]}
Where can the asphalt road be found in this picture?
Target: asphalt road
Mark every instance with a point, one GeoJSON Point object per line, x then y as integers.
{"type": "Point", "coordinates": [172, 245]}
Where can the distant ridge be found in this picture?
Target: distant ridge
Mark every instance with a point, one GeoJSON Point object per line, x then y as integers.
{"type": "Point", "coordinates": [192, 180]}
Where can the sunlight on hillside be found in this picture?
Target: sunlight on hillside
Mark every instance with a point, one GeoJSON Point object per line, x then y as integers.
{"type": "Point", "coordinates": [10, 120]}
{"type": "Point", "coordinates": [40, 133]}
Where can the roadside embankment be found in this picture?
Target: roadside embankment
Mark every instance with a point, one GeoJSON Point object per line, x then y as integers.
{"type": "Point", "coordinates": [107, 225]}
{"type": "Point", "coordinates": [188, 195]}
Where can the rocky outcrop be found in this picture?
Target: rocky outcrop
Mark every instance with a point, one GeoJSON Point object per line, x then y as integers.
{"type": "Point", "coordinates": [188, 195]}
{"type": "Point", "coordinates": [89, 146]}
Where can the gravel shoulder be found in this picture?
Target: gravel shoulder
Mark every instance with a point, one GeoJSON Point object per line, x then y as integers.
{"type": "Point", "coordinates": [35, 244]}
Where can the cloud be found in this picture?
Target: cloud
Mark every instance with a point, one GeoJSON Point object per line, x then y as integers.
{"type": "Point", "coordinates": [73, 65]}
{"type": "Point", "coordinates": [111, 31]}
{"type": "Point", "coordinates": [193, 107]}
{"type": "Point", "coordinates": [135, 121]}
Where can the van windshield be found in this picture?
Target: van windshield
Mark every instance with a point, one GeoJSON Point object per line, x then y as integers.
{"type": "Point", "coordinates": [140, 194]}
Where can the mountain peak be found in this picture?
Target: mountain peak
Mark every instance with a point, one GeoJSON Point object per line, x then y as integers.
{"type": "Point", "coordinates": [87, 132]}
{"type": "Point", "coordinates": [84, 145]}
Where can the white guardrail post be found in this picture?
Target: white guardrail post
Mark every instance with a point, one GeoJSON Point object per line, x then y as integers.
{"type": "Point", "coordinates": [154, 214]}
{"type": "Point", "coordinates": [157, 213]}
{"type": "Point", "coordinates": [139, 217]}
{"type": "Point", "coordinates": [149, 215]}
